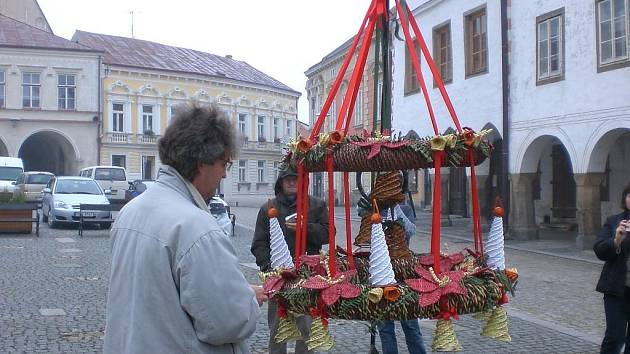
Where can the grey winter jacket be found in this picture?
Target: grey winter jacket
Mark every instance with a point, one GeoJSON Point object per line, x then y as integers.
{"type": "Point", "coordinates": [175, 283]}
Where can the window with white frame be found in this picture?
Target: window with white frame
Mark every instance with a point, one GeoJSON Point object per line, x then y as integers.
{"type": "Point", "coordinates": [261, 171]}
{"type": "Point", "coordinates": [148, 165]}
{"type": "Point", "coordinates": [261, 128]}
{"type": "Point", "coordinates": [242, 170]}
{"type": "Point", "coordinates": [289, 128]}
{"type": "Point", "coordinates": [612, 17]}
{"type": "Point", "coordinates": [66, 91]}
{"type": "Point", "coordinates": [169, 114]}
{"type": "Point", "coordinates": [2, 85]}
{"type": "Point", "coordinates": [242, 124]}
{"type": "Point", "coordinates": [118, 117]}
{"type": "Point", "coordinates": [276, 129]}
{"type": "Point", "coordinates": [550, 46]}
{"type": "Point", "coordinates": [147, 119]}
{"type": "Point", "coordinates": [119, 160]}
{"type": "Point", "coordinates": [30, 90]}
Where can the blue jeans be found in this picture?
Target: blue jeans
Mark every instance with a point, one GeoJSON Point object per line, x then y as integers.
{"type": "Point", "coordinates": [413, 337]}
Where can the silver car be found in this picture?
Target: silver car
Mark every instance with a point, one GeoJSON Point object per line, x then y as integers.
{"type": "Point", "coordinates": [63, 195]}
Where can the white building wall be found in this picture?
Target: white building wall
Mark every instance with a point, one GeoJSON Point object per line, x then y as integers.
{"type": "Point", "coordinates": [51, 63]}
{"type": "Point", "coordinates": [578, 110]}
{"type": "Point", "coordinates": [477, 99]}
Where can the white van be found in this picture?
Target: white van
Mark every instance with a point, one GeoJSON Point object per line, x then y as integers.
{"type": "Point", "coordinates": [113, 178]}
{"type": "Point", "coordinates": [10, 169]}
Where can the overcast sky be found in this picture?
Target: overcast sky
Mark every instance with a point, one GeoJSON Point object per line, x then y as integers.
{"type": "Point", "coordinates": [282, 38]}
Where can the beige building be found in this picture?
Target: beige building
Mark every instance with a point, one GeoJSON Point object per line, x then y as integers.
{"type": "Point", "coordinates": [142, 83]}
{"type": "Point", "coordinates": [49, 106]}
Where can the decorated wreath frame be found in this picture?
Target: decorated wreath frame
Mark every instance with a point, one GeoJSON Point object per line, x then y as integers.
{"type": "Point", "coordinates": [372, 286]}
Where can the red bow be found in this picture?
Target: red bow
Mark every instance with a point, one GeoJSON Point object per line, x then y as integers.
{"type": "Point", "coordinates": [333, 289]}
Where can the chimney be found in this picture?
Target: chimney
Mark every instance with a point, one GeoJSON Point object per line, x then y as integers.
{"type": "Point", "coordinates": [229, 56]}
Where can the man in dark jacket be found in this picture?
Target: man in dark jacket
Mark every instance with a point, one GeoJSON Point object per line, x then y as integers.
{"type": "Point", "coordinates": [317, 235]}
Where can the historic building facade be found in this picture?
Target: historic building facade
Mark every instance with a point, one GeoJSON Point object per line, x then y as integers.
{"type": "Point", "coordinates": [141, 92]}
{"type": "Point", "coordinates": [49, 99]}
{"type": "Point", "coordinates": [562, 98]}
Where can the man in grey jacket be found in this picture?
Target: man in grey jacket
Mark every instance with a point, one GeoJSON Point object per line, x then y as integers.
{"type": "Point", "coordinates": [175, 283]}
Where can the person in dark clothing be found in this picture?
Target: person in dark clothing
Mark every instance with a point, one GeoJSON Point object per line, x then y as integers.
{"type": "Point", "coordinates": [317, 235]}
{"type": "Point", "coordinates": [613, 247]}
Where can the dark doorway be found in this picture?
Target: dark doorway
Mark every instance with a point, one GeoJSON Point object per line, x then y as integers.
{"type": "Point", "coordinates": [457, 191]}
{"type": "Point", "coordinates": [49, 152]}
{"type": "Point", "coordinates": [492, 186]}
{"type": "Point", "coordinates": [563, 183]}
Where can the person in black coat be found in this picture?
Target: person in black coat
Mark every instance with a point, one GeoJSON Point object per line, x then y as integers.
{"type": "Point", "coordinates": [613, 247]}
{"type": "Point", "coordinates": [317, 231]}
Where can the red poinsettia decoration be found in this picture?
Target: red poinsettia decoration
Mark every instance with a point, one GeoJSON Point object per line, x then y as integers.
{"type": "Point", "coordinates": [314, 262]}
{"type": "Point", "coordinates": [446, 262]}
{"type": "Point", "coordinates": [375, 144]}
{"type": "Point", "coordinates": [432, 287]}
{"type": "Point", "coordinates": [334, 288]}
{"type": "Point", "coordinates": [275, 283]}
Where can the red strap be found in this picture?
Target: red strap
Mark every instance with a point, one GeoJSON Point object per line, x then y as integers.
{"type": "Point", "coordinates": [435, 227]}
{"type": "Point", "coordinates": [357, 74]}
{"type": "Point", "coordinates": [298, 219]}
{"type": "Point", "coordinates": [342, 72]}
{"type": "Point", "coordinates": [416, 66]}
{"type": "Point", "coordinates": [346, 187]}
{"type": "Point", "coordinates": [433, 67]}
{"type": "Point", "coordinates": [332, 249]}
{"type": "Point", "coordinates": [475, 204]}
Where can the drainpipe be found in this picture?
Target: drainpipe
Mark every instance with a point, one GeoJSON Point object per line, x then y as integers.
{"type": "Point", "coordinates": [505, 71]}
{"type": "Point", "coordinates": [99, 123]}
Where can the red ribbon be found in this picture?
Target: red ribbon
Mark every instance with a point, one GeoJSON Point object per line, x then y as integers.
{"type": "Point", "coordinates": [435, 226]}
{"type": "Point", "coordinates": [475, 205]}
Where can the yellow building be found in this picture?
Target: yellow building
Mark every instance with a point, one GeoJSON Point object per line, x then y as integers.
{"type": "Point", "coordinates": [142, 83]}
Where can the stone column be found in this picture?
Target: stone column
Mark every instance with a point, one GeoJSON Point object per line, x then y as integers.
{"type": "Point", "coordinates": [588, 208]}
{"type": "Point", "coordinates": [522, 222]}
{"type": "Point", "coordinates": [484, 209]}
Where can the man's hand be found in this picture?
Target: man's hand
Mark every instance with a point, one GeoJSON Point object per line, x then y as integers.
{"type": "Point", "coordinates": [260, 294]}
{"type": "Point", "coordinates": [620, 233]}
{"type": "Point", "coordinates": [290, 226]}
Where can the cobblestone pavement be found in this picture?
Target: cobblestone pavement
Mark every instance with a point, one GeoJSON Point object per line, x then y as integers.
{"type": "Point", "coordinates": [53, 291]}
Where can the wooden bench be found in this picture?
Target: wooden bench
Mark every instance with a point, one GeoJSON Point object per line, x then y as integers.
{"type": "Point", "coordinates": [83, 208]}
{"type": "Point", "coordinates": [10, 213]}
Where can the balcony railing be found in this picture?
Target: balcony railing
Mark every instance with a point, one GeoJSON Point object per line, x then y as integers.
{"type": "Point", "coordinates": [129, 138]}
{"type": "Point", "coordinates": [115, 137]}
{"type": "Point", "coordinates": [147, 139]}
{"type": "Point", "coordinates": [262, 146]}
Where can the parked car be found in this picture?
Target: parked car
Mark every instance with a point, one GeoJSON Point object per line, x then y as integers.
{"type": "Point", "coordinates": [31, 184]}
{"type": "Point", "coordinates": [137, 187]}
{"type": "Point", "coordinates": [63, 195]}
{"type": "Point", "coordinates": [221, 212]}
{"type": "Point", "coordinates": [113, 178]}
{"type": "Point", "coordinates": [10, 169]}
